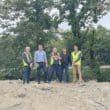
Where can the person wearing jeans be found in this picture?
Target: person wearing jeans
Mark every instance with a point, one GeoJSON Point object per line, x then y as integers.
{"type": "Point", "coordinates": [65, 61]}
{"type": "Point", "coordinates": [54, 65]}
{"type": "Point", "coordinates": [27, 65]}
{"type": "Point", "coordinates": [41, 65]}
{"type": "Point", "coordinates": [26, 75]}
{"type": "Point", "coordinates": [40, 59]}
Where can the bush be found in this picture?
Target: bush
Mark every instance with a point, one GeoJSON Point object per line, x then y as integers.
{"type": "Point", "coordinates": [88, 74]}
{"type": "Point", "coordinates": [105, 75]}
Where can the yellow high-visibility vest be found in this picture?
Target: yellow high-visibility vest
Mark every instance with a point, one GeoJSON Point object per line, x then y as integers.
{"type": "Point", "coordinates": [76, 56]}
{"type": "Point", "coordinates": [52, 61]}
{"type": "Point", "coordinates": [29, 58]}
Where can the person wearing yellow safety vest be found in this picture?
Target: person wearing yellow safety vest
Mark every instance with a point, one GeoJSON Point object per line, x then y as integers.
{"type": "Point", "coordinates": [76, 63]}
{"type": "Point", "coordinates": [54, 64]}
{"type": "Point", "coordinates": [27, 64]}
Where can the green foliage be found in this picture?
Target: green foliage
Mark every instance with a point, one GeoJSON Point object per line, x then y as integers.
{"type": "Point", "coordinates": [88, 74]}
{"type": "Point", "coordinates": [91, 44]}
{"type": "Point", "coordinates": [29, 31]}
{"type": "Point", "coordinates": [33, 26]}
{"type": "Point", "coordinates": [80, 15]}
{"type": "Point", "coordinates": [105, 75]}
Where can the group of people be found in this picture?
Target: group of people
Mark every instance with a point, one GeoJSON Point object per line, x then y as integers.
{"type": "Point", "coordinates": [59, 64]}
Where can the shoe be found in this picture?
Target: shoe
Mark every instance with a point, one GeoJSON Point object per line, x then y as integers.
{"type": "Point", "coordinates": [38, 82]}
{"type": "Point", "coordinates": [28, 82]}
{"type": "Point", "coordinates": [24, 81]}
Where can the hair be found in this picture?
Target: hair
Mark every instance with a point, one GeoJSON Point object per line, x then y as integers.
{"type": "Point", "coordinates": [54, 48]}
{"type": "Point", "coordinates": [79, 47]}
{"type": "Point", "coordinates": [39, 45]}
{"type": "Point", "coordinates": [75, 45]}
{"type": "Point", "coordinates": [27, 47]}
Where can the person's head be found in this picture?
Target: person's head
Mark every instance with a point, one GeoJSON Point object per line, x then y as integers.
{"type": "Point", "coordinates": [27, 49]}
{"type": "Point", "coordinates": [64, 50]}
{"type": "Point", "coordinates": [40, 47]}
{"type": "Point", "coordinates": [76, 48]}
{"type": "Point", "coordinates": [54, 50]}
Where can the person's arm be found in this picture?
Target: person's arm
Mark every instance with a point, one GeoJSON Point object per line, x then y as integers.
{"type": "Point", "coordinates": [45, 56]}
{"type": "Point", "coordinates": [31, 61]}
{"type": "Point", "coordinates": [72, 60]}
{"type": "Point", "coordinates": [69, 59]}
{"type": "Point", "coordinates": [31, 58]}
{"type": "Point", "coordinates": [59, 57]}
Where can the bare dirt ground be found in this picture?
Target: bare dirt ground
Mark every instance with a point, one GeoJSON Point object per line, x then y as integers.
{"type": "Point", "coordinates": [55, 96]}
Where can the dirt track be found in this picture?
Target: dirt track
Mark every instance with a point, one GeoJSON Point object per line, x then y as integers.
{"type": "Point", "coordinates": [54, 96]}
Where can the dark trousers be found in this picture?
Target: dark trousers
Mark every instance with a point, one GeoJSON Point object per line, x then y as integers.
{"type": "Point", "coordinates": [26, 75]}
{"type": "Point", "coordinates": [41, 66]}
{"type": "Point", "coordinates": [65, 69]}
{"type": "Point", "coordinates": [55, 68]}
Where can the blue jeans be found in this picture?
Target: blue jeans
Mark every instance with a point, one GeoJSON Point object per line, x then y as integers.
{"type": "Point", "coordinates": [41, 66]}
{"type": "Point", "coordinates": [26, 75]}
{"type": "Point", "coordinates": [55, 68]}
{"type": "Point", "coordinates": [65, 69]}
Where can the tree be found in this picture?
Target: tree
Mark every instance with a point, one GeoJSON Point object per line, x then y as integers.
{"type": "Point", "coordinates": [81, 14]}
{"type": "Point", "coordinates": [101, 47]}
{"type": "Point", "coordinates": [25, 23]}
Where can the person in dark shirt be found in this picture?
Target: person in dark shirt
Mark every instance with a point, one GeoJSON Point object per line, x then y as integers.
{"type": "Point", "coordinates": [65, 61]}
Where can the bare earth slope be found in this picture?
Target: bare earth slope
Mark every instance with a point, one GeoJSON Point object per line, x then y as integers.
{"type": "Point", "coordinates": [54, 96]}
